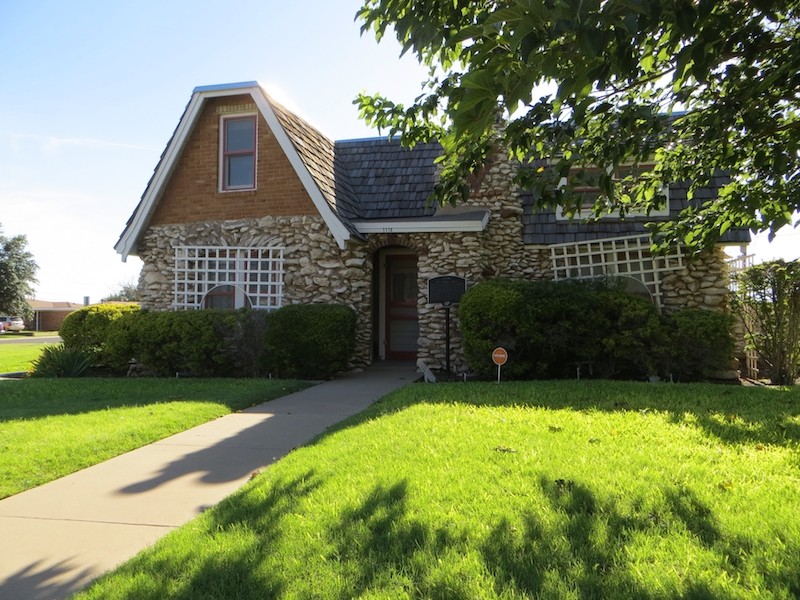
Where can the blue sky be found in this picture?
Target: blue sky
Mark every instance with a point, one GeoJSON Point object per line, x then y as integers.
{"type": "Point", "coordinates": [92, 90]}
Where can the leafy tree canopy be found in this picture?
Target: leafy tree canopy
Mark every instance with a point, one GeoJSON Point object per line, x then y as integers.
{"type": "Point", "coordinates": [17, 275]}
{"type": "Point", "coordinates": [694, 87]}
{"type": "Point", "coordinates": [127, 292]}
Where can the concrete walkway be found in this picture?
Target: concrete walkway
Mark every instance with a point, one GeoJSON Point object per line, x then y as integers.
{"type": "Point", "coordinates": [57, 538]}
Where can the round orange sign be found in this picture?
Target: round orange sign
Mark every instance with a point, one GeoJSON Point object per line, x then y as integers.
{"type": "Point", "coordinates": [499, 356]}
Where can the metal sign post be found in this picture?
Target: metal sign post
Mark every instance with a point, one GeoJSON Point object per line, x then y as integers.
{"type": "Point", "coordinates": [447, 291]}
{"type": "Point", "coordinates": [499, 357]}
{"type": "Point", "coordinates": [447, 336]}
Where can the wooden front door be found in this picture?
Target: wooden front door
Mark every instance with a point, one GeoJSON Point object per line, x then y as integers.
{"type": "Point", "coordinates": [402, 324]}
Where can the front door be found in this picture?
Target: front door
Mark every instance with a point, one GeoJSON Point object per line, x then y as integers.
{"type": "Point", "coordinates": [401, 290]}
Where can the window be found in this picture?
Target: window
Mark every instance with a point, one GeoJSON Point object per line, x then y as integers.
{"type": "Point", "coordinates": [586, 185]}
{"type": "Point", "coordinates": [615, 257]}
{"type": "Point", "coordinates": [228, 277]}
{"type": "Point", "coordinates": [238, 169]}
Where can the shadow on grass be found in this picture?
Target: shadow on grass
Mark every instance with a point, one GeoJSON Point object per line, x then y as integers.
{"type": "Point", "coordinates": [220, 557]}
{"type": "Point", "coordinates": [38, 398]}
{"type": "Point", "coordinates": [730, 414]}
{"type": "Point", "coordinates": [583, 554]}
{"type": "Point", "coordinates": [571, 545]}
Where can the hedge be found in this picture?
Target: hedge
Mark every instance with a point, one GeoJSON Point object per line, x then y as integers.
{"type": "Point", "coordinates": [310, 341]}
{"type": "Point", "coordinates": [551, 329]}
{"type": "Point", "coordinates": [85, 329]}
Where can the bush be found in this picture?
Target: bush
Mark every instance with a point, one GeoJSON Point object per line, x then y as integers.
{"type": "Point", "coordinates": [61, 361]}
{"type": "Point", "coordinates": [196, 342]}
{"type": "Point", "coordinates": [550, 328]}
{"type": "Point", "coordinates": [86, 329]}
{"type": "Point", "coordinates": [310, 341]}
{"type": "Point", "coordinates": [768, 300]}
{"type": "Point", "coordinates": [700, 342]}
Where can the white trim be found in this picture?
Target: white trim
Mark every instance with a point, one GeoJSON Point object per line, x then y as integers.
{"type": "Point", "coordinates": [425, 225]}
{"type": "Point", "coordinates": [614, 214]}
{"type": "Point", "coordinates": [256, 272]}
{"type": "Point", "coordinates": [221, 153]}
{"type": "Point", "coordinates": [337, 228]}
{"type": "Point", "coordinates": [141, 216]}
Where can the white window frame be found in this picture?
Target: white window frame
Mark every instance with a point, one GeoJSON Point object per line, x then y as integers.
{"type": "Point", "coordinates": [255, 273]}
{"type": "Point", "coordinates": [221, 167]}
{"type": "Point", "coordinates": [586, 211]}
{"type": "Point", "coordinates": [616, 257]}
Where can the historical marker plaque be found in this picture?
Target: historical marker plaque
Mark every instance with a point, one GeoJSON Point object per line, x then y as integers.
{"type": "Point", "coordinates": [446, 290]}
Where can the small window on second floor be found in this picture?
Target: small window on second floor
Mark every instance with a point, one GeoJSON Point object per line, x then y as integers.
{"type": "Point", "coordinates": [586, 185]}
{"type": "Point", "coordinates": [238, 169]}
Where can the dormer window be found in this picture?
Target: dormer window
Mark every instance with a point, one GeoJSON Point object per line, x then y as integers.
{"type": "Point", "coordinates": [238, 153]}
{"type": "Point", "coordinates": [586, 185]}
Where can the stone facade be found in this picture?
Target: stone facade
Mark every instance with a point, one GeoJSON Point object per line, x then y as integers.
{"type": "Point", "coordinates": [316, 270]}
{"type": "Point", "coordinates": [305, 200]}
{"type": "Point", "coordinates": [702, 283]}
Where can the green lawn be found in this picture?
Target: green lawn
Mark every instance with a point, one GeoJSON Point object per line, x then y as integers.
{"type": "Point", "coordinates": [52, 427]}
{"type": "Point", "coordinates": [519, 490]}
{"type": "Point", "coordinates": [15, 358]}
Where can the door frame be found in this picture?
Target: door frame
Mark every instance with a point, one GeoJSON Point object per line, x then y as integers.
{"type": "Point", "coordinates": [382, 300]}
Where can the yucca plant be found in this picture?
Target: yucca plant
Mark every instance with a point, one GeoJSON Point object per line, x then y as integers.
{"type": "Point", "coordinates": [59, 361]}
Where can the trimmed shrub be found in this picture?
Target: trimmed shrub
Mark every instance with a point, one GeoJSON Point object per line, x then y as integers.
{"type": "Point", "coordinates": [196, 342]}
{"type": "Point", "coordinates": [310, 341]}
{"type": "Point", "coordinates": [86, 329]}
{"type": "Point", "coordinates": [551, 328]}
{"type": "Point", "coordinates": [628, 332]}
{"type": "Point", "coordinates": [700, 342]}
{"type": "Point", "coordinates": [61, 361]}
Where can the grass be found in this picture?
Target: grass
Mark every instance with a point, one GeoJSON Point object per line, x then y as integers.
{"type": "Point", "coordinates": [52, 427]}
{"type": "Point", "coordinates": [520, 490]}
{"type": "Point", "coordinates": [16, 358]}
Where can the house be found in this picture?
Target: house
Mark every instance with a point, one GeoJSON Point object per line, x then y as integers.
{"type": "Point", "coordinates": [252, 206]}
{"type": "Point", "coordinates": [48, 316]}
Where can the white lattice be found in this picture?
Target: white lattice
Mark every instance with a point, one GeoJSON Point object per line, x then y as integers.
{"type": "Point", "coordinates": [256, 274]}
{"type": "Point", "coordinates": [624, 256]}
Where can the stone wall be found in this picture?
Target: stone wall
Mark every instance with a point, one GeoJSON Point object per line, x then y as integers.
{"type": "Point", "coordinates": [702, 283]}
{"type": "Point", "coordinates": [315, 269]}
{"type": "Point", "coordinates": [497, 251]}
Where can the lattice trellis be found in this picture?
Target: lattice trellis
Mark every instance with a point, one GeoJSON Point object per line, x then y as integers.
{"type": "Point", "coordinates": [256, 274]}
{"type": "Point", "coordinates": [623, 256]}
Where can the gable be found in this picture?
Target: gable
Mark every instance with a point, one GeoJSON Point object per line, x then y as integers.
{"type": "Point", "coordinates": [286, 169]}
{"type": "Point", "coordinates": [193, 191]}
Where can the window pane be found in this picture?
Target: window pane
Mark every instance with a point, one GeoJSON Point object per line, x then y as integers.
{"type": "Point", "coordinates": [240, 171]}
{"type": "Point", "coordinates": [240, 135]}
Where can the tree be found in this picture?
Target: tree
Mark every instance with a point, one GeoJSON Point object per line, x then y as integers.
{"type": "Point", "coordinates": [17, 275]}
{"type": "Point", "coordinates": [768, 299]}
{"type": "Point", "coordinates": [686, 88]}
{"type": "Point", "coordinates": [127, 292]}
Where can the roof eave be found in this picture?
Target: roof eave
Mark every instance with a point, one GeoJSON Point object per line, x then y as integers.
{"type": "Point", "coordinates": [137, 224]}
{"type": "Point", "coordinates": [466, 223]}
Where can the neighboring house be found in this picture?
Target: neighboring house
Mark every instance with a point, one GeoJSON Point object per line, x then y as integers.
{"type": "Point", "coordinates": [48, 316]}
{"type": "Point", "coordinates": [252, 206]}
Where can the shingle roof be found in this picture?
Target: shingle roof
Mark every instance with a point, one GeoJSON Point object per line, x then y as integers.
{"type": "Point", "coordinates": [390, 181]}
{"type": "Point", "coordinates": [319, 156]}
{"type": "Point", "coordinates": [372, 179]}
{"type": "Point", "coordinates": [540, 226]}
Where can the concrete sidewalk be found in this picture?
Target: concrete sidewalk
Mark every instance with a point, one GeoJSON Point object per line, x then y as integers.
{"type": "Point", "coordinates": [58, 537]}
